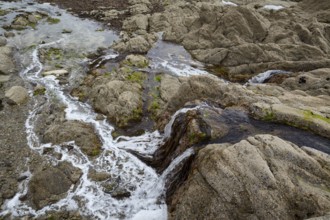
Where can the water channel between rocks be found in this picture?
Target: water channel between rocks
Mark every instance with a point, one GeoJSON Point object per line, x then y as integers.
{"type": "Point", "coordinates": [145, 187]}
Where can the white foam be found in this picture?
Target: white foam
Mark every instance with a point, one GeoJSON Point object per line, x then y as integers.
{"type": "Point", "coordinates": [168, 127]}
{"type": "Point", "coordinates": [180, 69]}
{"type": "Point", "coordinates": [273, 7]}
{"type": "Point", "coordinates": [260, 78]}
{"type": "Point", "coordinates": [228, 3]}
{"type": "Point", "coordinates": [174, 59]}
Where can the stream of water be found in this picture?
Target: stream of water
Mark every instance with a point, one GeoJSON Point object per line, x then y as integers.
{"type": "Point", "coordinates": [145, 186]}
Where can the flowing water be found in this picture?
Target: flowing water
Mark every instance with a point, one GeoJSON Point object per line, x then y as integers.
{"type": "Point", "coordinates": [146, 187]}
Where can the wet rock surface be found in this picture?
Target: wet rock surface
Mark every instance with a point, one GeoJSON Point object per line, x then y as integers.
{"type": "Point", "coordinates": [228, 177]}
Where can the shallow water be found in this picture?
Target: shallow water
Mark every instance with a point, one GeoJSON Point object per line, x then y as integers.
{"type": "Point", "coordinates": [173, 59]}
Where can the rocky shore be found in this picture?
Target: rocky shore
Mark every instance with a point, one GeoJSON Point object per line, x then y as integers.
{"type": "Point", "coordinates": [260, 143]}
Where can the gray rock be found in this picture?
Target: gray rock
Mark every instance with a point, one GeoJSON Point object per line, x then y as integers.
{"type": "Point", "coordinates": [263, 177]}
{"type": "Point", "coordinates": [4, 78]}
{"type": "Point", "coordinates": [7, 64]}
{"type": "Point", "coordinates": [136, 23]}
{"type": "Point", "coordinates": [247, 39]}
{"type": "Point", "coordinates": [169, 86]}
{"type": "Point", "coordinates": [17, 95]}
{"type": "Point", "coordinates": [264, 102]}
{"type": "Point", "coordinates": [32, 19]}
{"type": "Point", "coordinates": [51, 184]}
{"type": "Point", "coordinates": [21, 21]}
{"type": "Point", "coordinates": [83, 135]}
{"type": "Point", "coordinates": [120, 193]}
{"type": "Point", "coordinates": [138, 44]}
{"type": "Point", "coordinates": [98, 176]}
{"type": "Point", "coordinates": [136, 61]}
{"type": "Point", "coordinates": [3, 41]}
{"type": "Point", "coordinates": [9, 34]}
{"type": "Point", "coordinates": [316, 82]}
{"type": "Point", "coordinates": [118, 100]}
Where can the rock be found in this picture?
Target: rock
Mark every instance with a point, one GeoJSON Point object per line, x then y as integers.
{"type": "Point", "coordinates": [3, 41]}
{"type": "Point", "coordinates": [20, 20]}
{"type": "Point", "coordinates": [1, 105]}
{"type": "Point", "coordinates": [4, 78]}
{"type": "Point", "coordinates": [247, 40]}
{"type": "Point", "coordinates": [118, 100]}
{"type": "Point", "coordinates": [169, 86]}
{"type": "Point", "coordinates": [117, 95]}
{"type": "Point", "coordinates": [139, 7]}
{"type": "Point", "coordinates": [17, 95]}
{"type": "Point", "coordinates": [248, 180]}
{"type": "Point", "coordinates": [51, 184]}
{"type": "Point", "coordinates": [7, 64]}
{"type": "Point", "coordinates": [111, 14]}
{"type": "Point", "coordinates": [137, 61]}
{"type": "Point", "coordinates": [325, 217]}
{"type": "Point", "coordinates": [83, 135]}
{"type": "Point", "coordinates": [98, 176]}
{"type": "Point", "coordinates": [138, 44]}
{"type": "Point", "coordinates": [266, 102]}
{"type": "Point", "coordinates": [120, 193]}
{"type": "Point", "coordinates": [316, 82]}
{"type": "Point", "coordinates": [136, 23]}
{"type": "Point", "coordinates": [9, 34]}
{"type": "Point", "coordinates": [56, 73]}
{"type": "Point", "coordinates": [33, 19]}
{"type": "Point", "coordinates": [190, 129]}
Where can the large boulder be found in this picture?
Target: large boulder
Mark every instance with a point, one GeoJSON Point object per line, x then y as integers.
{"type": "Point", "coordinates": [263, 177]}
{"type": "Point", "coordinates": [17, 95]}
{"type": "Point", "coordinates": [83, 135]}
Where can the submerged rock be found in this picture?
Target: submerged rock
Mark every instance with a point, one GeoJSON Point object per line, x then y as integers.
{"type": "Point", "coordinates": [262, 177]}
{"type": "Point", "coordinates": [17, 95]}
